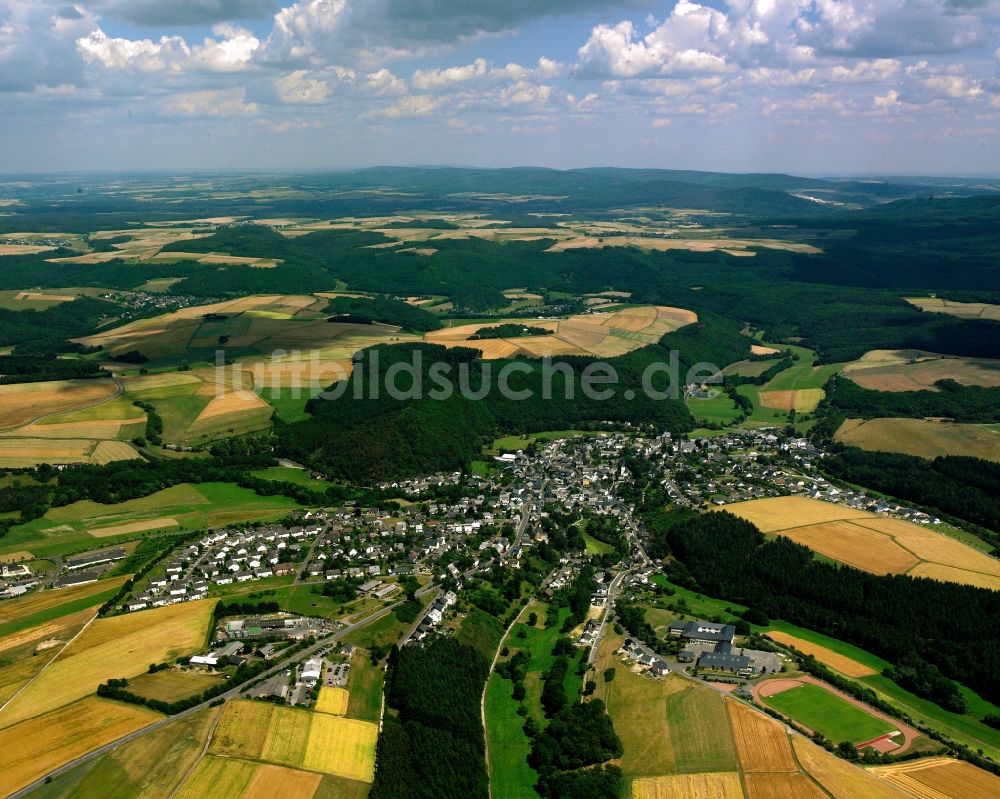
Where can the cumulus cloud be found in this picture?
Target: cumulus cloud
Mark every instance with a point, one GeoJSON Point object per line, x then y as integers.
{"type": "Point", "coordinates": [210, 103]}
{"type": "Point", "coordinates": [36, 44]}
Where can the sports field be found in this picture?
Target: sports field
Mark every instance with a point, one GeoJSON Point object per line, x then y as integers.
{"type": "Point", "coordinates": [918, 370]}
{"type": "Point", "coordinates": [869, 542]}
{"type": "Point", "coordinates": [925, 438]}
{"type": "Point", "coordinates": [825, 712]}
{"type": "Point", "coordinates": [119, 646]}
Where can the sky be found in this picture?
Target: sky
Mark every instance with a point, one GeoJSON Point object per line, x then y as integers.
{"type": "Point", "coordinates": [813, 87]}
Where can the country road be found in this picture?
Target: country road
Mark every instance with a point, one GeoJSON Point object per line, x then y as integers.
{"type": "Point", "coordinates": [232, 693]}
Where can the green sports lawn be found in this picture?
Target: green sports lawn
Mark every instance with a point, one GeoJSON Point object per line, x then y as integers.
{"type": "Point", "coordinates": [825, 712]}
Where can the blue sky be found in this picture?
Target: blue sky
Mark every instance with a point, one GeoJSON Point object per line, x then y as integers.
{"type": "Point", "coordinates": [803, 86]}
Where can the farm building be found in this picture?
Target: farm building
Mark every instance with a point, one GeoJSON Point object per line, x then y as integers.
{"type": "Point", "coordinates": [95, 558]}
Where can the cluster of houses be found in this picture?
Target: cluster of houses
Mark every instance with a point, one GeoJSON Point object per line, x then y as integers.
{"type": "Point", "coordinates": [434, 616]}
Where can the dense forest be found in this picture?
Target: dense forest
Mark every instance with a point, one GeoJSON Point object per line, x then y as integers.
{"type": "Point", "coordinates": [432, 747]}
{"type": "Point", "coordinates": [905, 620]}
{"type": "Point", "coordinates": [384, 437]}
{"type": "Point", "coordinates": [974, 404]}
{"type": "Point", "coordinates": [387, 310]}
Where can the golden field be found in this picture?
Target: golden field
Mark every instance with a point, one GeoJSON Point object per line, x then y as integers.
{"type": "Point", "coordinates": [598, 334]}
{"type": "Point", "coordinates": [925, 438]}
{"type": "Point", "coordinates": [21, 403]}
{"type": "Point", "coordinates": [782, 786]}
{"type": "Point", "coordinates": [240, 779]}
{"type": "Point", "coordinates": [841, 779]}
{"type": "Point", "coordinates": [32, 748]}
{"type": "Point", "coordinates": [761, 742]}
{"type": "Point", "coordinates": [721, 785]}
{"type": "Point", "coordinates": [333, 700]}
{"type": "Point", "coordinates": [841, 663]}
{"type": "Point", "coordinates": [119, 646]}
{"type": "Point", "coordinates": [963, 310]}
{"type": "Point", "coordinates": [918, 370]}
{"type": "Point", "coordinates": [800, 400]}
{"type": "Point", "coordinates": [941, 778]}
{"type": "Point", "coordinates": [298, 738]}
{"type": "Point", "coordinates": [873, 543]}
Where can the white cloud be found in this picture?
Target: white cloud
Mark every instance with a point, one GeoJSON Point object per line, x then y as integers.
{"type": "Point", "coordinates": [436, 78]}
{"type": "Point", "coordinates": [416, 105]}
{"type": "Point", "coordinates": [384, 82]}
{"type": "Point", "coordinates": [210, 103]}
{"type": "Point", "coordinates": [298, 88]}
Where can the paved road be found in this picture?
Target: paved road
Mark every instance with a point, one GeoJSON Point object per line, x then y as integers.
{"type": "Point", "coordinates": [232, 693]}
{"type": "Point", "coordinates": [613, 591]}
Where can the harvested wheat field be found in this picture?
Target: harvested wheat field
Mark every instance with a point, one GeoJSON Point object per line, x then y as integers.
{"type": "Point", "coordinates": [800, 400]}
{"type": "Point", "coordinates": [941, 778]}
{"type": "Point", "coordinates": [333, 700]}
{"type": "Point", "coordinates": [598, 334]}
{"type": "Point", "coordinates": [741, 246]}
{"type": "Point", "coordinates": [132, 527]}
{"type": "Point", "coordinates": [96, 429]}
{"type": "Point", "coordinates": [721, 785]}
{"type": "Point", "coordinates": [869, 542]}
{"type": "Point", "coordinates": [32, 748]}
{"type": "Point", "coordinates": [841, 779]}
{"type": "Point", "coordinates": [120, 646]}
{"type": "Point", "coordinates": [963, 310]}
{"type": "Point", "coordinates": [916, 370]}
{"type": "Point", "coordinates": [29, 452]}
{"type": "Point", "coordinates": [242, 730]}
{"type": "Point", "coordinates": [761, 742]}
{"type": "Point", "coordinates": [24, 249]}
{"type": "Point", "coordinates": [234, 403]}
{"type": "Point", "coordinates": [271, 781]}
{"type": "Point", "coordinates": [924, 438]}
{"type": "Point", "coordinates": [841, 663]}
{"type": "Point", "coordinates": [760, 349]}
{"type": "Point", "coordinates": [782, 786]}
{"type": "Point", "coordinates": [854, 545]}
{"type": "Point", "coordinates": [21, 403]}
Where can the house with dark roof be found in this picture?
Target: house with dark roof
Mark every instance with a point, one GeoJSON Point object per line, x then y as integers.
{"type": "Point", "coordinates": [702, 632]}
